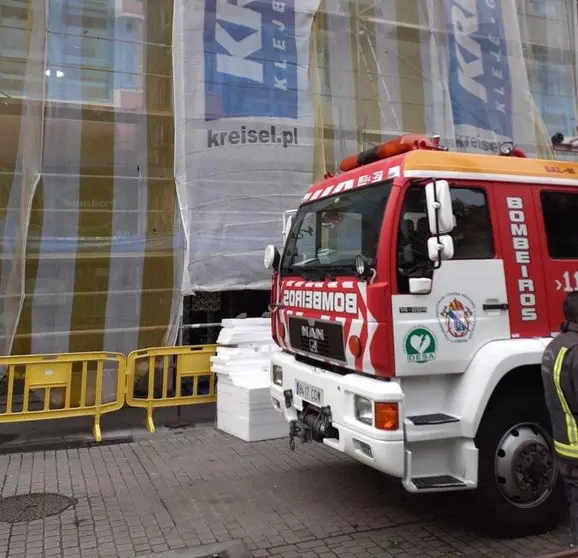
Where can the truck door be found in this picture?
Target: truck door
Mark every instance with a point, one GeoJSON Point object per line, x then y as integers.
{"type": "Point", "coordinates": [440, 332]}
{"type": "Point", "coordinates": [520, 234]}
{"type": "Point", "coordinates": [556, 211]}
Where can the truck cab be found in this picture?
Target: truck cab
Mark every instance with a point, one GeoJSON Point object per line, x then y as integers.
{"type": "Point", "coordinates": [413, 299]}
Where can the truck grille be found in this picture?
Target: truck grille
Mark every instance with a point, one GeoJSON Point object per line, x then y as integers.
{"type": "Point", "coordinates": [317, 338]}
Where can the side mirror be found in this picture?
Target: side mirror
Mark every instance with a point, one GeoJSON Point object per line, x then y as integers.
{"type": "Point", "coordinates": [440, 213]}
{"type": "Point", "coordinates": [440, 248]}
{"type": "Point", "coordinates": [420, 285]}
{"type": "Point", "coordinates": [288, 218]}
{"type": "Point", "coordinates": [272, 257]}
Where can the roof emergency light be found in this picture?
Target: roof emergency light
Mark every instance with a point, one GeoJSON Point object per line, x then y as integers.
{"type": "Point", "coordinates": [397, 146]}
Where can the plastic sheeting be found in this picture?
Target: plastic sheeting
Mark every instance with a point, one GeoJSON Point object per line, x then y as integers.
{"type": "Point", "coordinates": [549, 33]}
{"type": "Point", "coordinates": [244, 113]}
{"type": "Point", "coordinates": [450, 67]}
{"type": "Point", "coordinates": [340, 76]}
{"type": "Point", "coordinates": [20, 169]}
{"type": "Point", "coordinates": [86, 95]}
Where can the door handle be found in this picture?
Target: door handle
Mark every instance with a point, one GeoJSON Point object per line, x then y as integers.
{"type": "Point", "coordinates": [497, 306]}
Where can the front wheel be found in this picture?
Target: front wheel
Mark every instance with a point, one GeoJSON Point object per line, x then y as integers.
{"type": "Point", "coordinates": [519, 491]}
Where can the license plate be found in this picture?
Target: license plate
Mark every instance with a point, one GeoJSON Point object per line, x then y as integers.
{"type": "Point", "coordinates": [312, 394]}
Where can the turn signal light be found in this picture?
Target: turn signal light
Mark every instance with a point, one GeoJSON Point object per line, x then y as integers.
{"type": "Point", "coordinates": [386, 416]}
{"type": "Point", "coordinates": [355, 345]}
{"type": "Point", "coordinates": [281, 331]}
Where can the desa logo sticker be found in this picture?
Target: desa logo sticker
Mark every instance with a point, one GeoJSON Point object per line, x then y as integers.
{"type": "Point", "coordinates": [250, 59]}
{"type": "Point", "coordinates": [420, 345]}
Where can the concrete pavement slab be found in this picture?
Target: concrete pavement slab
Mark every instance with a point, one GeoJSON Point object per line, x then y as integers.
{"type": "Point", "coordinates": [181, 491]}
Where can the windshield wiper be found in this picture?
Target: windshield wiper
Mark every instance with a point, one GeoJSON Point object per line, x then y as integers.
{"type": "Point", "coordinates": [304, 263]}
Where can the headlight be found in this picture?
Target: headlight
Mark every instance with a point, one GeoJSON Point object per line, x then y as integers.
{"type": "Point", "coordinates": [364, 410]}
{"type": "Point", "coordinates": [271, 257]}
{"type": "Point", "coordinates": [277, 375]}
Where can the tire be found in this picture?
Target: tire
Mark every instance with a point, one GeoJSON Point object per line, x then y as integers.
{"type": "Point", "coordinates": [497, 441]}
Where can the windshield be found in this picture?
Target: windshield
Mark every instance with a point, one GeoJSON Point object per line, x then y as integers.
{"type": "Point", "coordinates": [327, 234]}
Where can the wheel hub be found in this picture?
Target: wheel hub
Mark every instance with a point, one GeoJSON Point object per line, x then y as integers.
{"type": "Point", "coordinates": [525, 466]}
{"type": "Point", "coordinates": [535, 464]}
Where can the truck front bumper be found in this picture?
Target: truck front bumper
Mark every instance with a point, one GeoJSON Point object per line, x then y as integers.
{"type": "Point", "coordinates": [383, 450]}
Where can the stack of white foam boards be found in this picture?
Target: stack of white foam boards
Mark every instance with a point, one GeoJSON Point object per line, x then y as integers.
{"type": "Point", "coordinates": [242, 364]}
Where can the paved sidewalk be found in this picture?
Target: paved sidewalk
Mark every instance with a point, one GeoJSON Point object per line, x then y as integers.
{"type": "Point", "coordinates": [185, 489]}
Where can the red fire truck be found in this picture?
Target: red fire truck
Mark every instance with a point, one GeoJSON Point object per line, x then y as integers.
{"type": "Point", "coordinates": [413, 299]}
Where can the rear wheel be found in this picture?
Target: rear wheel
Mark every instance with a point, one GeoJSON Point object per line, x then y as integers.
{"type": "Point", "coordinates": [519, 491]}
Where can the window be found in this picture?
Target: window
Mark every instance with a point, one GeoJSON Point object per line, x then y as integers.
{"type": "Point", "coordinates": [472, 235]}
{"type": "Point", "coordinates": [80, 48]}
{"type": "Point", "coordinates": [329, 233]}
{"type": "Point", "coordinates": [551, 82]}
{"type": "Point", "coordinates": [548, 8]}
{"type": "Point", "coordinates": [126, 53]}
{"type": "Point", "coordinates": [559, 210]}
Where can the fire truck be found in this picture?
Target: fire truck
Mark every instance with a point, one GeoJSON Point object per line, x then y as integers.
{"type": "Point", "coordinates": [413, 298]}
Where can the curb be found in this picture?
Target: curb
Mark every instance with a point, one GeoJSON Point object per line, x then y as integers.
{"type": "Point", "coordinates": [61, 443]}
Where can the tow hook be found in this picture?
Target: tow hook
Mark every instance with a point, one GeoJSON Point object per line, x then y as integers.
{"type": "Point", "coordinates": [292, 434]}
{"type": "Point", "coordinates": [311, 426]}
{"type": "Point", "coordinates": [288, 394]}
{"type": "Point", "coordinates": [298, 430]}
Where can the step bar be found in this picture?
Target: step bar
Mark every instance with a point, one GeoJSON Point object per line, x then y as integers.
{"type": "Point", "coordinates": [432, 419]}
{"type": "Point", "coordinates": [437, 483]}
{"type": "Point", "coordinates": [464, 476]}
{"type": "Point", "coordinates": [432, 426]}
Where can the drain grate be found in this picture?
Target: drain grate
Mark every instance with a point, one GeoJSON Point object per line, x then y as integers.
{"type": "Point", "coordinates": [23, 508]}
{"type": "Point", "coordinates": [232, 549]}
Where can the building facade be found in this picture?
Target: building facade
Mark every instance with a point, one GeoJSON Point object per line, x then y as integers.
{"type": "Point", "coordinates": [149, 147]}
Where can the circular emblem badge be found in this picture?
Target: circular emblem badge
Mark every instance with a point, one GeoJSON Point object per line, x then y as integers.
{"type": "Point", "coordinates": [420, 345]}
{"type": "Point", "coordinates": [456, 315]}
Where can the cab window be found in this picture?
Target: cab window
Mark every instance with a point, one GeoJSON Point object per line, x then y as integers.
{"type": "Point", "coordinates": [559, 210]}
{"type": "Point", "coordinates": [472, 235]}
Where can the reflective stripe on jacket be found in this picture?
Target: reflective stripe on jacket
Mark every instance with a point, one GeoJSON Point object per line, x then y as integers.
{"type": "Point", "coordinates": [560, 376]}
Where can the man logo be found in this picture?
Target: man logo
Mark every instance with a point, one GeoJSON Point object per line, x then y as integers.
{"type": "Point", "coordinates": [312, 333]}
{"type": "Point", "coordinates": [250, 59]}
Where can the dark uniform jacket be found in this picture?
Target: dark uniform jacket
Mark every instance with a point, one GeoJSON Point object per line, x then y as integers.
{"type": "Point", "coordinates": [560, 378]}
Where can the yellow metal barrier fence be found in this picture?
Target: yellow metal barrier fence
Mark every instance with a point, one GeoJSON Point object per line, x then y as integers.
{"type": "Point", "coordinates": [41, 387]}
{"type": "Point", "coordinates": [173, 376]}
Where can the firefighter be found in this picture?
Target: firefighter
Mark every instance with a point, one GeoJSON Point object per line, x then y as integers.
{"type": "Point", "coordinates": [560, 377]}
